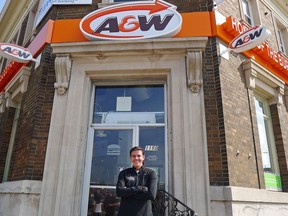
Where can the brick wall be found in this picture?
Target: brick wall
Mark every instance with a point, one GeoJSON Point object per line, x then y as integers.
{"type": "Point", "coordinates": [217, 151]}
{"type": "Point", "coordinates": [267, 21]}
{"type": "Point", "coordinates": [6, 122]}
{"type": "Point", "coordinates": [238, 124]}
{"type": "Point", "coordinates": [244, 160]}
{"type": "Point", "coordinates": [29, 150]}
{"type": "Point", "coordinates": [279, 117]}
{"type": "Point", "coordinates": [33, 125]}
{"type": "Point", "coordinates": [231, 7]}
{"type": "Point", "coordinates": [188, 6]}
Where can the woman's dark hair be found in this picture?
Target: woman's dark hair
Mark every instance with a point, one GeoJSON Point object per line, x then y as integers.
{"type": "Point", "coordinates": [137, 148]}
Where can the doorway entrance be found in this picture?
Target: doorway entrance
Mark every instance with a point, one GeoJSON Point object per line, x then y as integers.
{"type": "Point", "coordinates": [124, 117]}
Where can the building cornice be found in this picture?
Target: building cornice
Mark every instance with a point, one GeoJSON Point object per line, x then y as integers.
{"type": "Point", "coordinates": [279, 7]}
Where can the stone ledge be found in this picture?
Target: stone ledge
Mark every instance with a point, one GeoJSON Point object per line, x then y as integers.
{"type": "Point", "coordinates": [134, 47]}
{"type": "Point", "coordinates": [240, 194]}
{"type": "Point", "coordinates": [21, 187]}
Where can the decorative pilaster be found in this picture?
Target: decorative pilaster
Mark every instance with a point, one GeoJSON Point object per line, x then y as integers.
{"type": "Point", "coordinates": [2, 102]}
{"type": "Point", "coordinates": [194, 70]}
{"type": "Point", "coordinates": [62, 70]}
{"type": "Point", "coordinates": [286, 96]}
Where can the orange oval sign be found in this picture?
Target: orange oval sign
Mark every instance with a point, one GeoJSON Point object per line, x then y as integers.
{"type": "Point", "coordinates": [137, 20]}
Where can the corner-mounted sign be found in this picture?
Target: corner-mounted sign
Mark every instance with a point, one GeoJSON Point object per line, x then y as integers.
{"type": "Point", "coordinates": [249, 39]}
{"type": "Point", "coordinates": [16, 53]}
{"type": "Point", "coordinates": [132, 20]}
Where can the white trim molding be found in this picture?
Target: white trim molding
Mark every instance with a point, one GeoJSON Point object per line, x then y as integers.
{"type": "Point", "coordinates": [260, 79]}
{"type": "Point", "coordinates": [151, 61]}
{"type": "Point", "coordinates": [15, 89]}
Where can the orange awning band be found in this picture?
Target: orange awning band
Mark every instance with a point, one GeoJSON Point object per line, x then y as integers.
{"type": "Point", "coordinates": [68, 30]}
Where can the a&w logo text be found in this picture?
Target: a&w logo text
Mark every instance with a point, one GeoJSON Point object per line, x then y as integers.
{"type": "Point", "coordinates": [137, 20]}
{"type": "Point", "coordinates": [249, 39]}
{"type": "Point", "coordinates": [14, 52]}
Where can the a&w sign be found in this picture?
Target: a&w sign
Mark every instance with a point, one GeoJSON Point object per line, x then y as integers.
{"type": "Point", "coordinates": [137, 20]}
{"type": "Point", "coordinates": [15, 52]}
{"type": "Point", "coordinates": [249, 39]}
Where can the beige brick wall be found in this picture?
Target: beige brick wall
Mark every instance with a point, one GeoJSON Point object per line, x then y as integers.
{"type": "Point", "coordinates": [244, 162]}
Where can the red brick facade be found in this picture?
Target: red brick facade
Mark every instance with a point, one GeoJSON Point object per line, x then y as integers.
{"type": "Point", "coordinates": [6, 127]}
{"type": "Point", "coordinates": [233, 140]}
{"type": "Point", "coordinates": [33, 125]}
{"type": "Point", "coordinates": [241, 144]}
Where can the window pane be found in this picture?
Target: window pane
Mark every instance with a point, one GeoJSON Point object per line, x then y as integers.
{"type": "Point", "coordinates": [152, 140]}
{"type": "Point", "coordinates": [246, 7]}
{"type": "Point", "coordinates": [247, 13]}
{"type": "Point", "coordinates": [110, 155]}
{"type": "Point", "coordinates": [282, 48]}
{"type": "Point", "coordinates": [103, 201]}
{"type": "Point", "coordinates": [129, 104]}
{"type": "Point", "coordinates": [263, 136]}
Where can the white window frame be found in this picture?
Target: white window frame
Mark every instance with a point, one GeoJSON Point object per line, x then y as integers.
{"type": "Point", "coordinates": [269, 134]}
{"type": "Point", "coordinates": [281, 41]}
{"type": "Point", "coordinates": [31, 23]}
{"type": "Point", "coordinates": [282, 36]}
{"type": "Point", "coordinates": [247, 12]}
{"type": "Point", "coordinates": [28, 33]}
{"type": "Point", "coordinates": [270, 89]}
{"type": "Point", "coordinates": [30, 15]}
{"type": "Point", "coordinates": [13, 97]}
{"type": "Point", "coordinates": [134, 128]}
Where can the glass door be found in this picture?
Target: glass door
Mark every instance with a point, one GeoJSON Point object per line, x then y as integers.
{"type": "Point", "coordinates": [123, 117]}
{"type": "Point", "coordinates": [110, 155]}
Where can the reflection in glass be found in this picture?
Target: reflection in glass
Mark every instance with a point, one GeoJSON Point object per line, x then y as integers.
{"type": "Point", "coordinates": [140, 109]}
{"type": "Point", "coordinates": [152, 140]}
{"type": "Point", "coordinates": [110, 155]}
{"type": "Point", "coordinates": [129, 104]}
{"type": "Point", "coordinates": [103, 201]}
{"type": "Point", "coordinates": [263, 136]}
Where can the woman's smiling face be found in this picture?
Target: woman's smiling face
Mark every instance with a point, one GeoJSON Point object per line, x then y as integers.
{"type": "Point", "coordinates": [137, 158]}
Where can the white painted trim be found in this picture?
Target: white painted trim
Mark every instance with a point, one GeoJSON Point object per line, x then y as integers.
{"type": "Point", "coordinates": [259, 78]}
{"type": "Point", "coordinates": [164, 60]}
